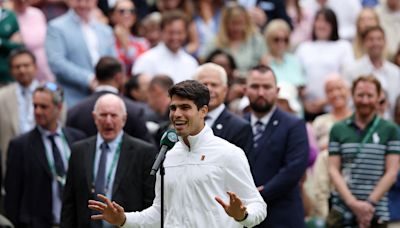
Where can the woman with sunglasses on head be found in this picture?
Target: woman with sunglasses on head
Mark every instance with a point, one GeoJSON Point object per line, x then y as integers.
{"type": "Point", "coordinates": [286, 66]}
{"type": "Point", "coordinates": [128, 46]}
{"type": "Point", "coordinates": [325, 54]}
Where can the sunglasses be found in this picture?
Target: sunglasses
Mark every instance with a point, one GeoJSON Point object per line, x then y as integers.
{"type": "Point", "coordinates": [125, 11]}
{"type": "Point", "coordinates": [53, 87]}
{"type": "Point", "coordinates": [280, 39]}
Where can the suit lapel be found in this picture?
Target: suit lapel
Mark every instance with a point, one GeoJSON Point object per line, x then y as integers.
{"type": "Point", "coordinates": [39, 150]}
{"type": "Point", "coordinates": [218, 125]}
{"type": "Point", "coordinates": [88, 157]}
{"type": "Point", "coordinates": [122, 163]}
{"type": "Point", "coordinates": [272, 125]}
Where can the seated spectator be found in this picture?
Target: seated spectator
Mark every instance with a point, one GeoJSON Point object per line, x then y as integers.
{"type": "Point", "coordinates": [224, 59]}
{"type": "Point", "coordinates": [136, 89]}
{"type": "Point", "coordinates": [337, 53]}
{"type": "Point", "coordinates": [204, 27]}
{"type": "Point", "coordinates": [128, 46]}
{"type": "Point", "coordinates": [383, 108]}
{"type": "Point", "coordinates": [374, 63]}
{"type": "Point", "coordinates": [169, 57]}
{"type": "Point", "coordinates": [31, 17]}
{"type": "Point", "coordinates": [286, 66]}
{"type": "Point", "coordinates": [74, 43]}
{"type": "Point", "coordinates": [272, 9]}
{"type": "Point", "coordinates": [51, 9]}
{"type": "Point", "coordinates": [389, 15]}
{"type": "Point", "coordinates": [10, 38]}
{"type": "Point", "coordinates": [346, 12]}
{"type": "Point", "coordinates": [338, 94]}
{"type": "Point", "coordinates": [150, 28]}
{"type": "Point", "coordinates": [239, 37]}
{"type": "Point", "coordinates": [137, 86]}
{"type": "Point", "coordinates": [162, 6]}
{"type": "Point", "coordinates": [302, 20]}
{"type": "Point", "coordinates": [366, 18]}
{"type": "Point", "coordinates": [159, 101]}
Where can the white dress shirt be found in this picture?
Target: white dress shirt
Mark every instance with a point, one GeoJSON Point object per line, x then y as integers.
{"type": "Point", "coordinates": [179, 66]}
{"type": "Point", "coordinates": [193, 177]}
{"type": "Point", "coordinates": [65, 151]}
{"type": "Point", "coordinates": [25, 106]}
{"type": "Point", "coordinates": [213, 115]}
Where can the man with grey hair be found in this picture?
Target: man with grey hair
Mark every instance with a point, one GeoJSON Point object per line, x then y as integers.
{"type": "Point", "coordinates": [224, 123]}
{"type": "Point", "coordinates": [38, 162]}
{"type": "Point", "coordinates": [111, 163]}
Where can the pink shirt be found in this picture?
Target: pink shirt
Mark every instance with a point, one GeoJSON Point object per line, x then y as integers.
{"type": "Point", "coordinates": [33, 26]}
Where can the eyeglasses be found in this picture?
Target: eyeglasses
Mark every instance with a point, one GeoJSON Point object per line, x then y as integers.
{"type": "Point", "coordinates": [124, 11]}
{"type": "Point", "coordinates": [280, 39]}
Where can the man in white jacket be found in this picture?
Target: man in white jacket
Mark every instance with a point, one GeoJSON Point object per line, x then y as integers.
{"type": "Point", "coordinates": [201, 171]}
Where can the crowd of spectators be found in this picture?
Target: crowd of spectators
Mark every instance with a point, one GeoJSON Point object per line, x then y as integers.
{"type": "Point", "coordinates": [138, 49]}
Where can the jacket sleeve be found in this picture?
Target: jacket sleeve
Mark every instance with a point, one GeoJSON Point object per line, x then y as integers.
{"type": "Point", "coordinates": [13, 181]}
{"type": "Point", "coordinates": [295, 163]}
{"type": "Point", "coordinates": [69, 208]}
{"type": "Point", "coordinates": [62, 67]}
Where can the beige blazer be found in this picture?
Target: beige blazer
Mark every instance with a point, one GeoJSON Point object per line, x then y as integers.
{"type": "Point", "coordinates": [9, 123]}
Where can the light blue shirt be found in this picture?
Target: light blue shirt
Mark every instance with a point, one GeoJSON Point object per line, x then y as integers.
{"type": "Point", "coordinates": [290, 70]}
{"type": "Point", "coordinates": [110, 157]}
{"type": "Point", "coordinates": [63, 146]}
{"type": "Point", "coordinates": [25, 107]}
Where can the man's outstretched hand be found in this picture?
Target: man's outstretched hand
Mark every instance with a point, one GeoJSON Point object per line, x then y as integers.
{"type": "Point", "coordinates": [109, 211]}
{"type": "Point", "coordinates": [235, 208]}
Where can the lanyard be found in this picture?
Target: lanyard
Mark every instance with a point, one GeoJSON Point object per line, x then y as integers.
{"type": "Point", "coordinates": [52, 165]}
{"type": "Point", "coordinates": [113, 166]}
{"type": "Point", "coordinates": [369, 133]}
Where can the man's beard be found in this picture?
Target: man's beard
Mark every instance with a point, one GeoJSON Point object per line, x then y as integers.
{"type": "Point", "coordinates": [261, 108]}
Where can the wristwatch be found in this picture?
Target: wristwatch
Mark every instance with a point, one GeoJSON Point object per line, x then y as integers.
{"type": "Point", "coordinates": [245, 217]}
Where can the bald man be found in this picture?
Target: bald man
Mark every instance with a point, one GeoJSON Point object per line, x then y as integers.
{"type": "Point", "coordinates": [111, 163]}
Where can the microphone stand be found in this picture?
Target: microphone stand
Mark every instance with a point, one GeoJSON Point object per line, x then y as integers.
{"type": "Point", "coordinates": [162, 174]}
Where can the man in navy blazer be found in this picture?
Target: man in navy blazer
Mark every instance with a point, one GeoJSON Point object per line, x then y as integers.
{"type": "Point", "coordinates": [74, 43]}
{"type": "Point", "coordinates": [280, 151]}
{"type": "Point", "coordinates": [37, 163]}
{"type": "Point", "coordinates": [110, 77]}
{"type": "Point", "coordinates": [224, 124]}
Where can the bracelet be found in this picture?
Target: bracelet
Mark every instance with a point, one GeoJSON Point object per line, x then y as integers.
{"type": "Point", "coordinates": [245, 217]}
{"type": "Point", "coordinates": [371, 202]}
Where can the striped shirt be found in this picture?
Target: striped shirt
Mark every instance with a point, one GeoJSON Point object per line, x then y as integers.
{"type": "Point", "coordinates": [363, 154]}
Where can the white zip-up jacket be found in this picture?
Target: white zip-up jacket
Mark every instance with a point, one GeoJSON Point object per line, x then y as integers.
{"type": "Point", "coordinates": [193, 177]}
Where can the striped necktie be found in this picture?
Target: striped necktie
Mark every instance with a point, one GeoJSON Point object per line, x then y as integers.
{"type": "Point", "coordinates": [259, 129]}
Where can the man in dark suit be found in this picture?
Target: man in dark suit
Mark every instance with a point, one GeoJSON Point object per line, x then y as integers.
{"type": "Point", "coordinates": [223, 123]}
{"type": "Point", "coordinates": [280, 152]}
{"type": "Point", "coordinates": [111, 163]}
{"type": "Point", "coordinates": [110, 76]}
{"type": "Point", "coordinates": [37, 162]}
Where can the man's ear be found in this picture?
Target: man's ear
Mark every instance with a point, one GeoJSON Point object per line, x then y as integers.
{"type": "Point", "coordinates": [204, 110]}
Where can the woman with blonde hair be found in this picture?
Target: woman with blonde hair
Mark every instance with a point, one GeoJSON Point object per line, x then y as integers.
{"type": "Point", "coordinates": [239, 37]}
{"type": "Point", "coordinates": [366, 18]}
{"type": "Point", "coordinates": [287, 66]}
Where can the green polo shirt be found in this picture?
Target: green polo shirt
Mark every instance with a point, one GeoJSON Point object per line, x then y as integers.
{"type": "Point", "coordinates": [363, 154]}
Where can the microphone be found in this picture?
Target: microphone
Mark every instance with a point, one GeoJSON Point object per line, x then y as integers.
{"type": "Point", "coordinates": [168, 140]}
